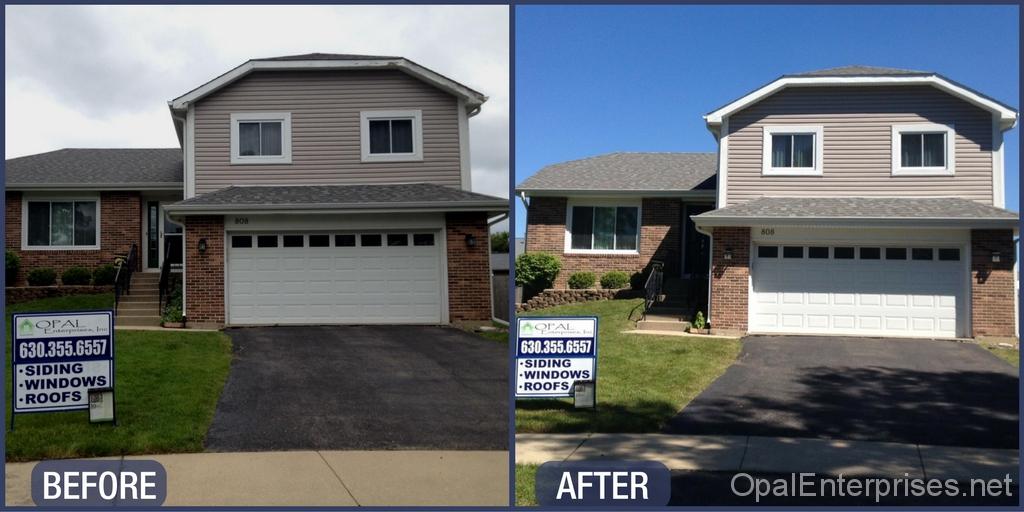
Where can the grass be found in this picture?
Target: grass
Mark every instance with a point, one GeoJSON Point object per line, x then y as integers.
{"type": "Point", "coordinates": [643, 380]}
{"type": "Point", "coordinates": [1009, 355]}
{"type": "Point", "coordinates": [525, 476]}
{"type": "Point", "coordinates": [167, 386]}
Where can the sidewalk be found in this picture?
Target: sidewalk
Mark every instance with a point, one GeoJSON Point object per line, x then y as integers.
{"type": "Point", "coordinates": [773, 455]}
{"type": "Point", "coordinates": [319, 478]}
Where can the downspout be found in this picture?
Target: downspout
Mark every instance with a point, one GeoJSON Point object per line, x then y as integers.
{"type": "Point", "coordinates": [711, 261]}
{"type": "Point", "coordinates": [184, 232]}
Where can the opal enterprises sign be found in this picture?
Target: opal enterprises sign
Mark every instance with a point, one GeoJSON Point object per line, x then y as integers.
{"type": "Point", "coordinates": [552, 353]}
{"type": "Point", "coordinates": [59, 357]}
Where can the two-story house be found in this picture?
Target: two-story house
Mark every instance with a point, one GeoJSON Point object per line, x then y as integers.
{"type": "Point", "coordinates": [308, 189]}
{"type": "Point", "coordinates": [855, 200]}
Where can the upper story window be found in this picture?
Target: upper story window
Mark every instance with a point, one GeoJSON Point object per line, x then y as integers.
{"type": "Point", "coordinates": [391, 135]}
{"type": "Point", "coordinates": [601, 228]}
{"type": "Point", "coordinates": [792, 150]}
{"type": "Point", "coordinates": [60, 224]}
{"type": "Point", "coordinates": [923, 150]}
{"type": "Point", "coordinates": [261, 138]}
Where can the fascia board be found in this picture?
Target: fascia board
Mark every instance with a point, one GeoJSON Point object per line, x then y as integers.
{"type": "Point", "coordinates": [150, 186]}
{"type": "Point", "coordinates": [616, 193]}
{"type": "Point", "coordinates": [877, 222]}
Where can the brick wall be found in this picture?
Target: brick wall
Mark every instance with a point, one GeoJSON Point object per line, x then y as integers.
{"type": "Point", "coordinates": [992, 283]}
{"type": "Point", "coordinates": [660, 238]}
{"type": "Point", "coordinates": [204, 273]}
{"type": "Point", "coordinates": [120, 226]}
{"type": "Point", "coordinates": [469, 280]}
{"type": "Point", "coordinates": [729, 280]}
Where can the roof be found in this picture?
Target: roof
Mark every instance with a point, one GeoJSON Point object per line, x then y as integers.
{"type": "Point", "coordinates": [860, 75]}
{"type": "Point", "coordinates": [106, 169]}
{"type": "Point", "coordinates": [859, 70]}
{"type": "Point", "coordinates": [627, 173]}
{"type": "Point", "coordinates": [365, 198]}
{"type": "Point", "coordinates": [331, 61]}
{"type": "Point", "coordinates": [861, 211]}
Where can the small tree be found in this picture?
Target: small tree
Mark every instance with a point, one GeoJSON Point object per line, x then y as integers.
{"type": "Point", "coordinates": [536, 271]}
{"type": "Point", "coordinates": [582, 280]}
{"type": "Point", "coordinates": [499, 242]}
{"type": "Point", "coordinates": [698, 321]}
{"type": "Point", "coordinates": [12, 262]}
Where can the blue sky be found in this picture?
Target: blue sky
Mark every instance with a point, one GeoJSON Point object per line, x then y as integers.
{"type": "Point", "coordinates": [596, 79]}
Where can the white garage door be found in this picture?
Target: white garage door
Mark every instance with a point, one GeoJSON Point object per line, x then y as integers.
{"type": "Point", "coordinates": [868, 290]}
{"type": "Point", "coordinates": [334, 278]}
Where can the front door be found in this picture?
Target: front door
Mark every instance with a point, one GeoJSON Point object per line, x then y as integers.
{"type": "Point", "coordinates": [163, 238]}
{"type": "Point", "coordinates": [695, 244]}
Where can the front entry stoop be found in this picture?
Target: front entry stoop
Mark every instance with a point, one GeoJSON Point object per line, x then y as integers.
{"type": "Point", "coordinates": [142, 307]}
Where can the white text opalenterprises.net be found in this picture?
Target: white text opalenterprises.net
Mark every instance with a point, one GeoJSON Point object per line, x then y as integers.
{"type": "Point", "coordinates": [810, 485]}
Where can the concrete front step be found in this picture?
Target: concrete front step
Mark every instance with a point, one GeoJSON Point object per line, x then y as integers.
{"type": "Point", "coordinates": [137, 320]}
{"type": "Point", "coordinates": [662, 325]}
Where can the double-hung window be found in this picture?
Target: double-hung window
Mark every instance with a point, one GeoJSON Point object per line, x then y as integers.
{"type": "Point", "coordinates": [261, 138]}
{"type": "Point", "coordinates": [391, 135]}
{"type": "Point", "coordinates": [923, 150]}
{"type": "Point", "coordinates": [792, 150]}
{"type": "Point", "coordinates": [604, 228]}
{"type": "Point", "coordinates": [61, 224]}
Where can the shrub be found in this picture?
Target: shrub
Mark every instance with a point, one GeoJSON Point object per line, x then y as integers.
{"type": "Point", "coordinates": [76, 276]}
{"type": "Point", "coordinates": [698, 321]}
{"type": "Point", "coordinates": [536, 271]}
{"type": "Point", "coordinates": [104, 275]}
{"type": "Point", "coordinates": [499, 242]}
{"type": "Point", "coordinates": [614, 280]}
{"type": "Point", "coordinates": [637, 280]}
{"type": "Point", "coordinates": [12, 262]}
{"type": "Point", "coordinates": [172, 310]}
{"type": "Point", "coordinates": [582, 280]}
{"type": "Point", "coordinates": [42, 277]}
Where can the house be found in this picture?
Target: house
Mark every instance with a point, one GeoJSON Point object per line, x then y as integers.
{"type": "Point", "coordinates": [308, 189]}
{"type": "Point", "coordinates": [855, 200]}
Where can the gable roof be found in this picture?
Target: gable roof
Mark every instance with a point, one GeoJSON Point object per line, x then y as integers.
{"type": "Point", "coordinates": [862, 211]}
{"type": "Point", "coordinates": [860, 75]}
{"type": "Point", "coordinates": [617, 173]}
{"type": "Point", "coordinates": [97, 169]}
{"type": "Point", "coordinates": [331, 61]}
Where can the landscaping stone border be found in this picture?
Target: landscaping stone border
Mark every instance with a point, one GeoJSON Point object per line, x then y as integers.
{"type": "Point", "coordinates": [558, 297]}
{"type": "Point", "coordinates": [16, 294]}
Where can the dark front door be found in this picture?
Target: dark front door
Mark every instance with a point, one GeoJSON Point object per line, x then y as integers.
{"type": "Point", "coordinates": [152, 234]}
{"type": "Point", "coordinates": [695, 244]}
{"type": "Point", "coordinates": [173, 233]}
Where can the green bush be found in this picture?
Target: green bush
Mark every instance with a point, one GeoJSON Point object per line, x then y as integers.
{"type": "Point", "coordinates": [698, 321]}
{"type": "Point", "coordinates": [42, 277]}
{"type": "Point", "coordinates": [582, 280]}
{"type": "Point", "coordinates": [637, 280]}
{"type": "Point", "coordinates": [614, 280]}
{"type": "Point", "coordinates": [12, 262]}
{"type": "Point", "coordinates": [76, 276]}
{"type": "Point", "coordinates": [104, 275]}
{"type": "Point", "coordinates": [172, 309]}
{"type": "Point", "coordinates": [536, 271]}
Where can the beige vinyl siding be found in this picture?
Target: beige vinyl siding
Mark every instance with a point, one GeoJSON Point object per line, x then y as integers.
{"type": "Point", "coordinates": [857, 147]}
{"type": "Point", "coordinates": [324, 107]}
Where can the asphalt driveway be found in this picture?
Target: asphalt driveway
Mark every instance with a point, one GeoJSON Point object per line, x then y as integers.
{"type": "Point", "coordinates": [362, 387]}
{"type": "Point", "coordinates": [898, 390]}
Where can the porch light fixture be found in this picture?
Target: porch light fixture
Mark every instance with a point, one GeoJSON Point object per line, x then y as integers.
{"type": "Point", "coordinates": [202, 245]}
{"type": "Point", "coordinates": [996, 257]}
{"type": "Point", "coordinates": [470, 241]}
{"type": "Point", "coordinates": [727, 254]}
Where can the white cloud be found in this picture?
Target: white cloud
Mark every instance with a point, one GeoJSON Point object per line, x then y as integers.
{"type": "Point", "coordinates": [100, 76]}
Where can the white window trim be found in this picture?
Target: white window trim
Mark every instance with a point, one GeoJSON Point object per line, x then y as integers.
{"type": "Point", "coordinates": [285, 118]}
{"type": "Point", "coordinates": [897, 142]}
{"type": "Point", "coordinates": [568, 249]}
{"type": "Point", "coordinates": [56, 198]}
{"type": "Point", "coordinates": [377, 115]}
{"type": "Point", "coordinates": [799, 129]}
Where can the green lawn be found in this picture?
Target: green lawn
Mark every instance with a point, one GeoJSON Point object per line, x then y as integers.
{"type": "Point", "coordinates": [525, 476]}
{"type": "Point", "coordinates": [1006, 354]}
{"type": "Point", "coordinates": [642, 381]}
{"type": "Point", "coordinates": [167, 385]}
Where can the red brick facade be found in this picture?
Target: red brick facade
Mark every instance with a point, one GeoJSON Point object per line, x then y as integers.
{"type": "Point", "coordinates": [469, 280]}
{"type": "Point", "coordinates": [120, 227]}
{"type": "Point", "coordinates": [204, 272]}
{"type": "Point", "coordinates": [660, 238]}
{"type": "Point", "coordinates": [992, 283]}
{"type": "Point", "coordinates": [730, 279]}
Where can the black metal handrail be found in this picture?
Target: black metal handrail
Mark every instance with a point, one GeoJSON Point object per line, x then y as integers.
{"type": "Point", "coordinates": [165, 278]}
{"type": "Point", "coordinates": [123, 276]}
{"type": "Point", "coordinates": [652, 287]}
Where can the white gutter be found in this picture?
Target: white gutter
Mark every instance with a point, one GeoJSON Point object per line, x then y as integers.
{"type": "Point", "coordinates": [258, 209]}
{"type": "Point", "coordinates": [150, 186]}
{"type": "Point", "coordinates": [683, 194]}
{"type": "Point", "coordinates": [923, 222]}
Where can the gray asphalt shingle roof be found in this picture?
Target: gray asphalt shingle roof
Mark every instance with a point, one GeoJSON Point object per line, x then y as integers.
{"type": "Point", "coordinates": [339, 196]}
{"type": "Point", "coordinates": [329, 56]}
{"type": "Point", "coordinates": [859, 208]}
{"type": "Point", "coordinates": [859, 70]}
{"type": "Point", "coordinates": [628, 172]}
{"type": "Point", "coordinates": [111, 168]}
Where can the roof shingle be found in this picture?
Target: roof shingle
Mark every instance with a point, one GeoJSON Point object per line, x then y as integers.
{"type": "Point", "coordinates": [860, 70]}
{"type": "Point", "coordinates": [113, 168]}
{"type": "Point", "coordinates": [628, 172]}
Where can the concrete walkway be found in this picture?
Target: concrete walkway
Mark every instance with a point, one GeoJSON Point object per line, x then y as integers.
{"type": "Point", "coordinates": [319, 478]}
{"type": "Point", "coordinates": [773, 455]}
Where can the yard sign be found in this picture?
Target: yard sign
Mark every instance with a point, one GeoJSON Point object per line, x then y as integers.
{"type": "Point", "coordinates": [58, 357]}
{"type": "Point", "coordinates": [552, 353]}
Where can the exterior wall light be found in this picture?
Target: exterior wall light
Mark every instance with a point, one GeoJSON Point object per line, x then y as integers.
{"type": "Point", "coordinates": [470, 241]}
{"type": "Point", "coordinates": [727, 254]}
{"type": "Point", "coordinates": [996, 257]}
{"type": "Point", "coordinates": [202, 245]}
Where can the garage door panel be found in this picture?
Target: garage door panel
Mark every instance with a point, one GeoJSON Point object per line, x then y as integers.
{"type": "Point", "coordinates": [857, 296]}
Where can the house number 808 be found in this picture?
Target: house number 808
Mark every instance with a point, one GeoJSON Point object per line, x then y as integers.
{"type": "Point", "coordinates": [241, 220]}
{"type": "Point", "coordinates": [767, 231]}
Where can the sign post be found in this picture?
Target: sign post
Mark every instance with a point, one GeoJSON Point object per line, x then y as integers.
{"type": "Point", "coordinates": [553, 354]}
{"type": "Point", "coordinates": [58, 358]}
